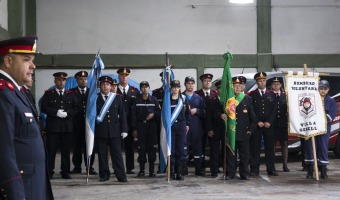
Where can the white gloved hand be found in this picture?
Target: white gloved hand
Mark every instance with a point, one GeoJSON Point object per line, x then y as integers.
{"type": "Point", "coordinates": [61, 114]}
{"type": "Point", "coordinates": [65, 113]}
{"type": "Point", "coordinates": [124, 135]}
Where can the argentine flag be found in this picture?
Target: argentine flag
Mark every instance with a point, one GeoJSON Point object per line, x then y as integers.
{"type": "Point", "coordinates": [91, 112]}
{"type": "Point", "coordinates": [165, 140]}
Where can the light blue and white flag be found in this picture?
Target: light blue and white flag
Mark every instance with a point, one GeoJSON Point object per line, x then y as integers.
{"type": "Point", "coordinates": [91, 112]}
{"type": "Point", "coordinates": [165, 142]}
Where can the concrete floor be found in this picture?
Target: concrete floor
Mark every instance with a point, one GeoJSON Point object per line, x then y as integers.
{"type": "Point", "coordinates": [288, 185]}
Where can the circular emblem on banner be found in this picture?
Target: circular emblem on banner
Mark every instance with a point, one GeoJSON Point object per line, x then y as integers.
{"type": "Point", "coordinates": [230, 107]}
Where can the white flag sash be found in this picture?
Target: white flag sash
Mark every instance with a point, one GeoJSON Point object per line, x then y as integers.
{"type": "Point", "coordinates": [106, 106]}
{"type": "Point", "coordinates": [177, 110]}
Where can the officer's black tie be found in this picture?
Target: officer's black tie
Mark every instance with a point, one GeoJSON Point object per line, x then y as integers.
{"type": "Point", "coordinates": [207, 94]}
{"type": "Point", "coordinates": [124, 93]}
{"type": "Point", "coordinates": [262, 92]}
{"type": "Point", "coordinates": [61, 93]}
{"type": "Point", "coordinates": [82, 92]}
{"type": "Point", "coordinates": [105, 97]}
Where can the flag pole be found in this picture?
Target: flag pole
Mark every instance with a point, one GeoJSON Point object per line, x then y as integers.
{"type": "Point", "coordinates": [168, 80]}
{"type": "Point", "coordinates": [313, 139]}
{"type": "Point", "coordinates": [225, 156]}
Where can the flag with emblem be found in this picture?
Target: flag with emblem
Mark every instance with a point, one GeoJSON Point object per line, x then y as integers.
{"type": "Point", "coordinates": [165, 138]}
{"type": "Point", "coordinates": [227, 99]}
{"type": "Point", "coordinates": [91, 112]}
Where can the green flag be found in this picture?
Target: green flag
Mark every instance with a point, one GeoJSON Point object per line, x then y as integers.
{"type": "Point", "coordinates": [229, 102]}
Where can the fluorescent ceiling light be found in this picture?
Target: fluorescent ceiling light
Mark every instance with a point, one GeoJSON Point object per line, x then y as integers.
{"type": "Point", "coordinates": [241, 1]}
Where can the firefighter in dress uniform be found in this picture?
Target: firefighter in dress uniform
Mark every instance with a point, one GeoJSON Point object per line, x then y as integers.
{"type": "Point", "coordinates": [179, 129]}
{"type": "Point", "coordinates": [129, 94]}
{"type": "Point", "coordinates": [23, 169]}
{"type": "Point", "coordinates": [321, 141]}
{"type": "Point", "coordinates": [245, 114]}
{"type": "Point", "coordinates": [215, 129]}
{"type": "Point", "coordinates": [281, 121]}
{"type": "Point", "coordinates": [205, 93]}
{"type": "Point", "coordinates": [145, 111]}
{"type": "Point", "coordinates": [264, 104]}
{"type": "Point", "coordinates": [61, 106]}
{"type": "Point", "coordinates": [110, 128]}
{"type": "Point", "coordinates": [81, 93]}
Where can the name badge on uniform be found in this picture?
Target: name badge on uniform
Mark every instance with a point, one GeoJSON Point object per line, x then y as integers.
{"type": "Point", "coordinates": [28, 114]}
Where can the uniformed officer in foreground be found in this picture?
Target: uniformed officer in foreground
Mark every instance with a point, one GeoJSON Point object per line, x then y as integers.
{"type": "Point", "coordinates": [244, 116]}
{"type": "Point", "coordinates": [81, 93]}
{"type": "Point", "coordinates": [111, 127]}
{"type": "Point", "coordinates": [61, 106]}
{"type": "Point", "coordinates": [321, 141]}
{"type": "Point", "coordinates": [145, 111]}
{"type": "Point", "coordinates": [129, 94]}
{"type": "Point", "coordinates": [23, 168]}
{"type": "Point", "coordinates": [264, 103]}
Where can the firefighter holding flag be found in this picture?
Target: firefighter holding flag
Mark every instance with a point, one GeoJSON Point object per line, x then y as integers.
{"type": "Point", "coordinates": [240, 108]}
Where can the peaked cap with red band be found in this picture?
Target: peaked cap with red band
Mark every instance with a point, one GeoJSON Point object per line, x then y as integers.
{"type": "Point", "coordinates": [21, 45]}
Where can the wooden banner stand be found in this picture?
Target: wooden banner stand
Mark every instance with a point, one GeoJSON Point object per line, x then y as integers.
{"type": "Point", "coordinates": [313, 140]}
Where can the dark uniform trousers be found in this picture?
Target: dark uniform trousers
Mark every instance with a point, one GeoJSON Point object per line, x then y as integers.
{"type": "Point", "coordinates": [244, 116]}
{"type": "Point", "coordinates": [147, 136]}
{"type": "Point", "coordinates": [205, 98]}
{"type": "Point", "coordinates": [59, 130]}
{"type": "Point", "coordinates": [195, 134]}
{"type": "Point", "coordinates": [23, 168]}
{"type": "Point", "coordinates": [179, 150]}
{"type": "Point", "coordinates": [79, 143]}
{"type": "Point", "coordinates": [321, 141]}
{"type": "Point", "coordinates": [128, 100]}
{"type": "Point", "coordinates": [265, 110]}
{"type": "Point", "coordinates": [108, 134]}
{"type": "Point", "coordinates": [216, 124]}
{"type": "Point", "coordinates": [147, 141]}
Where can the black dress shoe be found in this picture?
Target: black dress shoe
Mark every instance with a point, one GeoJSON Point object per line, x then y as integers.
{"type": "Point", "coordinates": [179, 177]}
{"type": "Point", "coordinates": [152, 175]}
{"type": "Point", "coordinates": [199, 173]}
{"type": "Point", "coordinates": [309, 176]}
{"type": "Point", "coordinates": [75, 171]}
{"type": "Point", "coordinates": [229, 177]}
{"type": "Point", "coordinates": [66, 176]}
{"type": "Point", "coordinates": [130, 172]}
{"type": "Point", "coordinates": [214, 174]}
{"type": "Point", "coordinates": [254, 174]}
{"type": "Point", "coordinates": [244, 178]}
{"type": "Point", "coordinates": [285, 169]}
{"type": "Point", "coordinates": [92, 172]}
{"type": "Point", "coordinates": [105, 179]}
{"type": "Point", "coordinates": [272, 173]}
{"type": "Point", "coordinates": [122, 180]}
{"type": "Point", "coordinates": [141, 174]}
